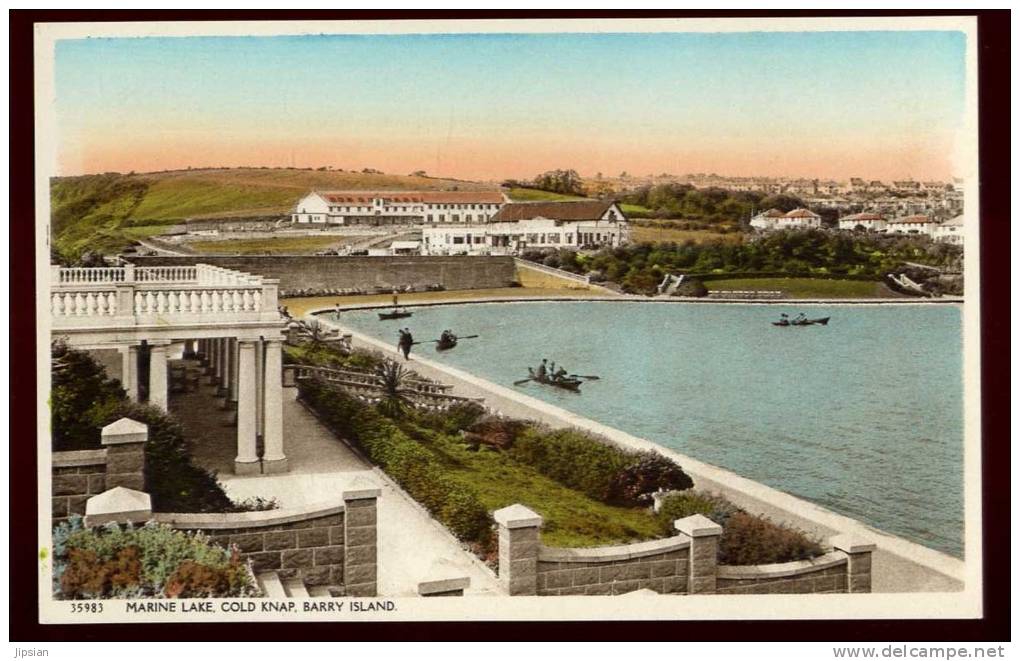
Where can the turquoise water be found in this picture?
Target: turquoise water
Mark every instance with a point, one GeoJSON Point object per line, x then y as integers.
{"type": "Point", "coordinates": [863, 416]}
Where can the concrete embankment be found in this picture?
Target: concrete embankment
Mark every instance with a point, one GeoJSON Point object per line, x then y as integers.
{"type": "Point", "coordinates": [899, 565]}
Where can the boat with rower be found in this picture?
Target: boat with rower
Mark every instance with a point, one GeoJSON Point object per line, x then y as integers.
{"type": "Point", "coordinates": [396, 313]}
{"type": "Point", "coordinates": [570, 382]}
{"type": "Point", "coordinates": [821, 321]}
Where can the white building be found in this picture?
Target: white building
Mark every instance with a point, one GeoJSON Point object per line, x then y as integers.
{"type": "Point", "coordinates": [767, 220]}
{"type": "Point", "coordinates": [869, 220]}
{"type": "Point", "coordinates": [950, 231]}
{"type": "Point", "coordinates": [912, 225]}
{"type": "Point", "coordinates": [532, 225]}
{"type": "Point", "coordinates": [375, 208]}
{"type": "Point", "coordinates": [799, 219]}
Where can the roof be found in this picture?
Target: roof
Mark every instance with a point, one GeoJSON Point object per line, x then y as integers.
{"type": "Point", "coordinates": [575, 211]}
{"type": "Point", "coordinates": [957, 222]}
{"type": "Point", "coordinates": [410, 197]}
{"type": "Point", "coordinates": [867, 215]}
{"type": "Point", "coordinates": [911, 220]}
{"type": "Point", "coordinates": [802, 213]}
{"type": "Point", "coordinates": [772, 213]}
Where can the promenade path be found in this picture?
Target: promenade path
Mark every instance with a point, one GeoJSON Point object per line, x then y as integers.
{"type": "Point", "coordinates": [411, 544]}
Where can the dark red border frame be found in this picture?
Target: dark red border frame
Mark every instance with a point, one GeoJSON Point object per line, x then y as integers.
{"type": "Point", "coordinates": [994, 93]}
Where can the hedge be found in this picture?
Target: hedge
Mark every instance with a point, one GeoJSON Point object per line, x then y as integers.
{"type": "Point", "coordinates": [412, 466]}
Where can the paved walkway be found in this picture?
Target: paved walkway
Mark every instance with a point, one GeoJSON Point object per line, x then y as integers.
{"type": "Point", "coordinates": [412, 546]}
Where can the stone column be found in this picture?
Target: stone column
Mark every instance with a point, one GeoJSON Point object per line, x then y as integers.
{"type": "Point", "coordinates": [210, 360]}
{"type": "Point", "coordinates": [518, 549]}
{"type": "Point", "coordinates": [858, 553]}
{"type": "Point", "coordinates": [232, 396]}
{"type": "Point", "coordinates": [129, 355]}
{"type": "Point", "coordinates": [158, 395]}
{"type": "Point", "coordinates": [221, 366]}
{"type": "Point", "coordinates": [360, 541]}
{"type": "Point", "coordinates": [260, 383]}
{"type": "Point", "coordinates": [247, 461]}
{"type": "Point", "coordinates": [273, 460]}
{"type": "Point", "coordinates": [227, 385]}
{"type": "Point", "coordinates": [124, 441]}
{"type": "Point", "coordinates": [702, 561]}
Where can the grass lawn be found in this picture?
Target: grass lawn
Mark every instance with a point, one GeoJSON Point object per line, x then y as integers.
{"type": "Point", "coordinates": [645, 234]}
{"type": "Point", "coordinates": [572, 519]}
{"type": "Point", "coordinates": [806, 287]}
{"type": "Point", "coordinates": [294, 245]}
{"type": "Point", "coordinates": [301, 305]}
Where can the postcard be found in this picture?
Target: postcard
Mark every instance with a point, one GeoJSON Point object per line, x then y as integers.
{"type": "Point", "coordinates": [574, 319]}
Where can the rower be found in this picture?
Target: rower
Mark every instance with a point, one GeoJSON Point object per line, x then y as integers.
{"type": "Point", "coordinates": [542, 370]}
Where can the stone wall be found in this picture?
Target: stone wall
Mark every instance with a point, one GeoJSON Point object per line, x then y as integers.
{"type": "Point", "coordinates": [76, 477]}
{"type": "Point", "coordinates": [822, 575]}
{"type": "Point", "coordinates": [315, 272]}
{"type": "Point", "coordinates": [331, 545]}
{"type": "Point", "coordinates": [659, 565]}
{"type": "Point", "coordinates": [685, 564]}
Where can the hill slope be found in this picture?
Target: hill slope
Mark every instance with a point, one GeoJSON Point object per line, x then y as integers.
{"type": "Point", "coordinates": [104, 212]}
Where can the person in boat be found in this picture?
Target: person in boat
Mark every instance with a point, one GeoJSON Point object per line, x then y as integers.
{"type": "Point", "coordinates": [543, 370]}
{"type": "Point", "coordinates": [800, 318]}
{"type": "Point", "coordinates": [559, 374]}
{"type": "Point", "coordinates": [447, 337]}
{"type": "Point", "coordinates": [405, 342]}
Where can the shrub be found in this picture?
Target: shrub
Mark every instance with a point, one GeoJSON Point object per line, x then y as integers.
{"type": "Point", "coordinates": [413, 466]}
{"type": "Point", "coordinates": [680, 505]}
{"type": "Point", "coordinates": [598, 468]}
{"type": "Point", "coordinates": [494, 431]}
{"type": "Point", "coordinates": [692, 287]}
{"type": "Point", "coordinates": [753, 540]}
{"type": "Point", "coordinates": [152, 561]}
{"type": "Point", "coordinates": [647, 473]}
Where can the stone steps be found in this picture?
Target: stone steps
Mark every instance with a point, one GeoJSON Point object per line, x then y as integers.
{"type": "Point", "coordinates": [271, 585]}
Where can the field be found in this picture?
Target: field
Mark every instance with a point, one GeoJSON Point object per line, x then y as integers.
{"type": "Point", "coordinates": [98, 212]}
{"type": "Point", "coordinates": [806, 287]}
{"type": "Point", "coordinates": [290, 245]}
{"type": "Point", "coordinates": [646, 234]}
{"type": "Point", "coordinates": [535, 195]}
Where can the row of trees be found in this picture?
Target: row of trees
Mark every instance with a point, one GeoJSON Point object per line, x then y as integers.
{"type": "Point", "coordinates": [639, 268]}
{"type": "Point", "coordinates": [564, 182]}
{"type": "Point", "coordinates": [684, 201]}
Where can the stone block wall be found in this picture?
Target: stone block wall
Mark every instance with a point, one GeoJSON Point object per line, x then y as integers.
{"type": "Point", "coordinates": [307, 543]}
{"type": "Point", "coordinates": [660, 566]}
{"type": "Point", "coordinates": [685, 564]}
{"type": "Point", "coordinates": [317, 272]}
{"type": "Point", "coordinates": [822, 575]}
{"type": "Point", "coordinates": [76, 476]}
{"type": "Point", "coordinates": [332, 545]}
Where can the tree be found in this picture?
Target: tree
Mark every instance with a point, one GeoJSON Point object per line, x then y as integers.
{"type": "Point", "coordinates": [393, 379]}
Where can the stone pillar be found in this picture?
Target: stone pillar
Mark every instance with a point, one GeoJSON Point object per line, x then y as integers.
{"type": "Point", "coordinates": [232, 396]}
{"type": "Point", "coordinates": [273, 460]}
{"type": "Point", "coordinates": [260, 388]}
{"type": "Point", "coordinates": [228, 384]}
{"type": "Point", "coordinates": [158, 395]}
{"type": "Point", "coordinates": [518, 549]}
{"type": "Point", "coordinates": [360, 541]}
{"type": "Point", "coordinates": [858, 553]}
{"type": "Point", "coordinates": [702, 561]}
{"type": "Point", "coordinates": [129, 354]}
{"type": "Point", "coordinates": [118, 505]}
{"type": "Point", "coordinates": [221, 366]}
{"type": "Point", "coordinates": [247, 461]}
{"type": "Point", "coordinates": [124, 441]}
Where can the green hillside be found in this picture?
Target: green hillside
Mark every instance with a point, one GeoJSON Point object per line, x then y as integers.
{"type": "Point", "coordinates": [105, 212]}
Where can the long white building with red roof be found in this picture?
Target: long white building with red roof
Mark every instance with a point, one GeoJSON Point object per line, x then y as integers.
{"type": "Point", "coordinates": [376, 208]}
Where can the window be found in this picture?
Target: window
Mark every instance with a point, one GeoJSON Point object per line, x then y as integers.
{"type": "Point", "coordinates": [458, 239]}
{"type": "Point", "coordinates": [468, 218]}
{"type": "Point", "coordinates": [456, 217]}
{"type": "Point", "coordinates": [430, 218]}
{"type": "Point", "coordinates": [479, 239]}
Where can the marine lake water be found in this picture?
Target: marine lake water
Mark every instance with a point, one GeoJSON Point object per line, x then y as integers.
{"type": "Point", "coordinates": [863, 416]}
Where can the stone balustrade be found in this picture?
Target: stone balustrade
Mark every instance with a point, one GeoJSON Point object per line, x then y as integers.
{"type": "Point", "coordinates": [79, 296]}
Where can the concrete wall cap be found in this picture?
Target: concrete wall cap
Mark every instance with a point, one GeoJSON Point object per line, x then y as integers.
{"type": "Point", "coordinates": [118, 504]}
{"type": "Point", "coordinates": [226, 521]}
{"type": "Point", "coordinates": [69, 458]}
{"type": "Point", "coordinates": [781, 569]}
{"type": "Point", "coordinates": [851, 544]}
{"type": "Point", "coordinates": [614, 553]}
{"type": "Point", "coordinates": [697, 525]}
{"type": "Point", "coordinates": [444, 585]}
{"type": "Point", "coordinates": [517, 516]}
{"type": "Point", "coordinates": [361, 494]}
{"type": "Point", "coordinates": [125, 430]}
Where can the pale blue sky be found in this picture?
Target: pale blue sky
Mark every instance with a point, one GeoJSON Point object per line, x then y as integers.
{"type": "Point", "coordinates": [471, 104]}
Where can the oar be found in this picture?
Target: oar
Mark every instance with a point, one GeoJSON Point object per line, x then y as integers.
{"type": "Point", "coordinates": [517, 383]}
{"type": "Point", "coordinates": [465, 337]}
{"type": "Point", "coordinates": [591, 377]}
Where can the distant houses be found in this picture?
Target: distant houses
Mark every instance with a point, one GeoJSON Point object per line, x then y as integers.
{"type": "Point", "coordinates": [873, 222]}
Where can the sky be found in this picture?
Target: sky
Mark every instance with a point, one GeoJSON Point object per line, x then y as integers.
{"type": "Point", "coordinates": [883, 105]}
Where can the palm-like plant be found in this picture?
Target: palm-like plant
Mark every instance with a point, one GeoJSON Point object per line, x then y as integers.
{"type": "Point", "coordinates": [393, 378]}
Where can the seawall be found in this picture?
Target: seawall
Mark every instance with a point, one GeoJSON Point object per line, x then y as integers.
{"type": "Point", "coordinates": [899, 565]}
{"type": "Point", "coordinates": [318, 272]}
